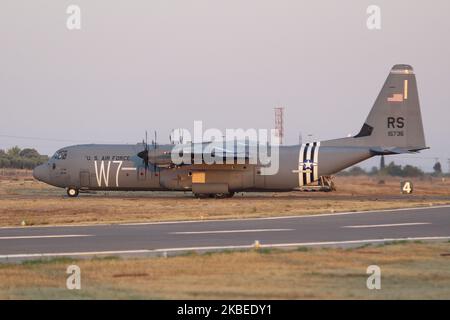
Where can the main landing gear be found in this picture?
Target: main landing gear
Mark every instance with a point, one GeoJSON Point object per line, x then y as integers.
{"type": "Point", "coordinates": [214, 195]}
{"type": "Point", "coordinates": [72, 192]}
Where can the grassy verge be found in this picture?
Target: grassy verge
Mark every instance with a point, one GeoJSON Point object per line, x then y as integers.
{"type": "Point", "coordinates": [408, 271]}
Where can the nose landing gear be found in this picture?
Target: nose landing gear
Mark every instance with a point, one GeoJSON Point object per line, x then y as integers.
{"type": "Point", "coordinates": [72, 192]}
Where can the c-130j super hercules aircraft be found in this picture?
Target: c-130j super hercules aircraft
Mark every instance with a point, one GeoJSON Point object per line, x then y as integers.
{"type": "Point", "coordinates": [393, 126]}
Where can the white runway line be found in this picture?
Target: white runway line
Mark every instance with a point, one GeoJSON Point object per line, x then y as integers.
{"type": "Point", "coordinates": [48, 236]}
{"type": "Point", "coordinates": [319, 215]}
{"type": "Point", "coordinates": [277, 245]}
{"type": "Point", "coordinates": [230, 231]}
{"type": "Point", "coordinates": [387, 225]}
{"type": "Point", "coordinates": [305, 244]}
{"type": "Point", "coordinates": [70, 254]}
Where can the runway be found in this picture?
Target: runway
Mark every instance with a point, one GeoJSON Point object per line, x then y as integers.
{"type": "Point", "coordinates": [165, 238]}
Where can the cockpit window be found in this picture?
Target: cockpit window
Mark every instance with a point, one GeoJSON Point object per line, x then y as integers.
{"type": "Point", "coordinates": [60, 155]}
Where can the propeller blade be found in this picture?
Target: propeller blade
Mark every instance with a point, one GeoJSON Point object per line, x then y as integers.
{"type": "Point", "coordinates": [144, 153]}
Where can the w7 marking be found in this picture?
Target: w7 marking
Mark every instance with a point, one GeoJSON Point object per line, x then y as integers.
{"type": "Point", "coordinates": [102, 174]}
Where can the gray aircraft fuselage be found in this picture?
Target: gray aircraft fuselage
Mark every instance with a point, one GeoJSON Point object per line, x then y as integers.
{"type": "Point", "coordinates": [393, 126]}
{"type": "Point", "coordinates": [116, 167]}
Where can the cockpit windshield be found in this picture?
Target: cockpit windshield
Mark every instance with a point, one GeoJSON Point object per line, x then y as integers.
{"type": "Point", "coordinates": [60, 155]}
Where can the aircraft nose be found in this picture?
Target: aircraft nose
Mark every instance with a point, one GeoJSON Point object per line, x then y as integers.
{"type": "Point", "coordinates": [41, 173]}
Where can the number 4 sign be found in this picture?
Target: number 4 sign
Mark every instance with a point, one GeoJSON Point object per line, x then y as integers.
{"type": "Point", "coordinates": [406, 187]}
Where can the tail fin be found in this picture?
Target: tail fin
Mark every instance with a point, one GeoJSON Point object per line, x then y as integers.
{"type": "Point", "coordinates": [394, 124]}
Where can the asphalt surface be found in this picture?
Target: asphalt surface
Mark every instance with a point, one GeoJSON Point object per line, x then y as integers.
{"type": "Point", "coordinates": [340, 229]}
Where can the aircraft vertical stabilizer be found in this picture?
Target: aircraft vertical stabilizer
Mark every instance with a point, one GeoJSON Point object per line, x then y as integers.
{"type": "Point", "coordinates": [395, 122]}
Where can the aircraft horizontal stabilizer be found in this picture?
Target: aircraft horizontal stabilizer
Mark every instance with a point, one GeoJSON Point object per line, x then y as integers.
{"type": "Point", "coordinates": [394, 150]}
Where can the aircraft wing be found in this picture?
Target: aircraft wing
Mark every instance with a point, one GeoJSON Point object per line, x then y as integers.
{"type": "Point", "coordinates": [219, 152]}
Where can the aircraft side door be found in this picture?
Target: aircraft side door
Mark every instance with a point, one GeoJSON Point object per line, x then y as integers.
{"type": "Point", "coordinates": [85, 179]}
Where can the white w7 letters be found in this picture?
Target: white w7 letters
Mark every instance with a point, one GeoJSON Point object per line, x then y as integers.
{"type": "Point", "coordinates": [103, 174]}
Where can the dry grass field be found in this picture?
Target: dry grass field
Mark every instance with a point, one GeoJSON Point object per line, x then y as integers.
{"type": "Point", "coordinates": [262, 274]}
{"type": "Point", "coordinates": [24, 199]}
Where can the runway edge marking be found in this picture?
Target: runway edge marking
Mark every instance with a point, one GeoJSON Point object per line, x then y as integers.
{"type": "Point", "coordinates": [46, 236]}
{"type": "Point", "coordinates": [225, 220]}
{"type": "Point", "coordinates": [406, 224]}
{"type": "Point", "coordinates": [286, 217]}
{"type": "Point", "coordinates": [229, 231]}
{"type": "Point", "coordinates": [212, 248]}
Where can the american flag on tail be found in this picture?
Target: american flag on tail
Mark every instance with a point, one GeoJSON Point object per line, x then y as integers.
{"type": "Point", "coordinates": [396, 97]}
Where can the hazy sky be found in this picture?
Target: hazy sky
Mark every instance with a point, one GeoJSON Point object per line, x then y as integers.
{"type": "Point", "coordinates": [161, 64]}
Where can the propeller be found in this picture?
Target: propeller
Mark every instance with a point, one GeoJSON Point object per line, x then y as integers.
{"type": "Point", "coordinates": [144, 154]}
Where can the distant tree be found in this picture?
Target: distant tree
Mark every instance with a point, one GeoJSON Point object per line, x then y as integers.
{"type": "Point", "coordinates": [392, 169]}
{"type": "Point", "coordinates": [374, 171]}
{"type": "Point", "coordinates": [21, 159]}
{"type": "Point", "coordinates": [2, 153]}
{"type": "Point", "coordinates": [411, 171]}
{"type": "Point", "coordinates": [4, 163]}
{"type": "Point", "coordinates": [29, 153]}
{"type": "Point", "coordinates": [437, 168]}
{"type": "Point", "coordinates": [353, 171]}
{"type": "Point", "coordinates": [407, 171]}
{"type": "Point", "coordinates": [14, 152]}
{"type": "Point", "coordinates": [356, 171]}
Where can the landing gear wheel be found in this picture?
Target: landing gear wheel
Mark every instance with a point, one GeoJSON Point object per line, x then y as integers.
{"type": "Point", "coordinates": [220, 195]}
{"type": "Point", "coordinates": [223, 195]}
{"type": "Point", "coordinates": [213, 195]}
{"type": "Point", "coordinates": [72, 192]}
{"type": "Point", "coordinates": [201, 195]}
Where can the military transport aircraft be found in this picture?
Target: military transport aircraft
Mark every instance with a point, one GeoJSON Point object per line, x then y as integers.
{"type": "Point", "coordinates": [393, 126]}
